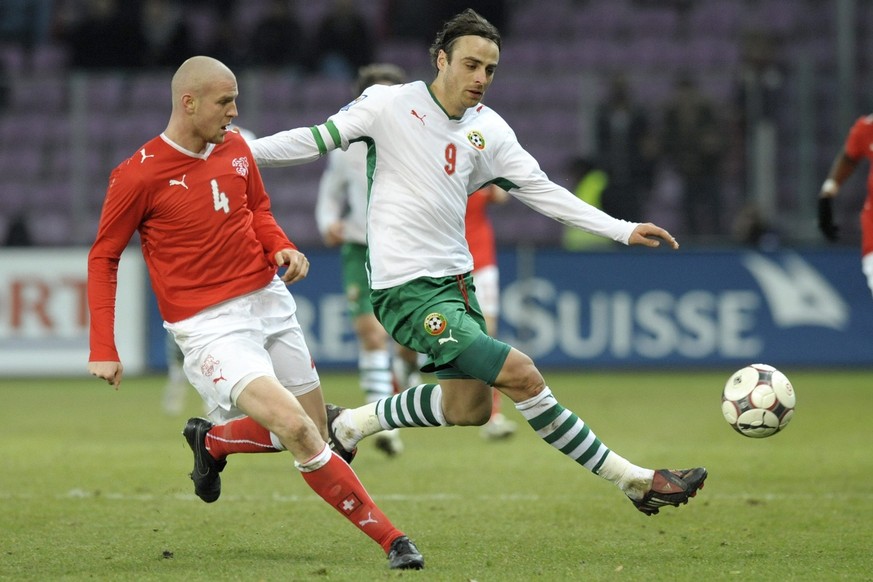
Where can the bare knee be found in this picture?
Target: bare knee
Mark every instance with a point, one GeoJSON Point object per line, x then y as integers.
{"type": "Point", "coordinates": [466, 402]}
{"type": "Point", "coordinates": [519, 378]}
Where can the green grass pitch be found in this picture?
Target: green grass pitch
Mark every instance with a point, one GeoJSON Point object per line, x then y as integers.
{"type": "Point", "coordinates": [94, 486]}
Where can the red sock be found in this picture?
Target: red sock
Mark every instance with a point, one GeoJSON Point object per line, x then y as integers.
{"type": "Point", "coordinates": [495, 402]}
{"type": "Point", "coordinates": [337, 484]}
{"type": "Point", "coordinates": [241, 435]}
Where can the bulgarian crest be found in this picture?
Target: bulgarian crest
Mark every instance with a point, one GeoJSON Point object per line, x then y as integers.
{"type": "Point", "coordinates": [435, 323]}
{"type": "Point", "coordinates": [476, 139]}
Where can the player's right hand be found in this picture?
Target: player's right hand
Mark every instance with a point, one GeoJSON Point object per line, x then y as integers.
{"type": "Point", "coordinates": [109, 371]}
{"type": "Point", "coordinates": [647, 234]}
{"type": "Point", "coordinates": [826, 218]}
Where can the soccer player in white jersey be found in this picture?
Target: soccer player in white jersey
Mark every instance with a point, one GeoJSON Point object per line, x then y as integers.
{"type": "Point", "coordinates": [430, 146]}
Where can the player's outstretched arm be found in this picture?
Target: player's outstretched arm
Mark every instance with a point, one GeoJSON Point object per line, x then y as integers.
{"type": "Point", "coordinates": [109, 371]}
{"type": "Point", "coordinates": [648, 234]}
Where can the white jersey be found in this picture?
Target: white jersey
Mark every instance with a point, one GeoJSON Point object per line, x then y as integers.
{"type": "Point", "coordinates": [342, 193]}
{"type": "Point", "coordinates": [423, 165]}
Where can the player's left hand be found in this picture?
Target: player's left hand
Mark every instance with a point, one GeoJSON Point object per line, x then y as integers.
{"type": "Point", "coordinates": [297, 265]}
{"type": "Point", "coordinates": [109, 371]}
{"type": "Point", "coordinates": [647, 234]}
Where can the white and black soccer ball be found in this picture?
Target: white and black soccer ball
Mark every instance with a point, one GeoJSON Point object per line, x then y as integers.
{"type": "Point", "coordinates": [758, 401]}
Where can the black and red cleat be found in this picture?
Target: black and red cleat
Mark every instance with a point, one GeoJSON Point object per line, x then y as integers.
{"type": "Point", "coordinates": [671, 487]}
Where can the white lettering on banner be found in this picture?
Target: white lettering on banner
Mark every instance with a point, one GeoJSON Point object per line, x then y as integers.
{"type": "Point", "coordinates": [657, 324]}
{"type": "Point", "coordinates": [32, 306]}
{"type": "Point", "coordinates": [336, 339]}
{"type": "Point", "coordinates": [44, 311]}
{"type": "Point", "coordinates": [798, 294]}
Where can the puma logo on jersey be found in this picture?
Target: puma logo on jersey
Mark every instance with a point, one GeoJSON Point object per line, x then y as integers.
{"type": "Point", "coordinates": [180, 182]}
{"type": "Point", "coordinates": [418, 117]}
{"type": "Point", "coordinates": [220, 377]}
{"type": "Point", "coordinates": [144, 155]}
{"type": "Point", "coordinates": [444, 340]}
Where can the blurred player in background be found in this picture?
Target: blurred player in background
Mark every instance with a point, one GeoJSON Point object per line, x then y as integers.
{"type": "Point", "coordinates": [213, 250]}
{"type": "Point", "coordinates": [341, 215]}
{"type": "Point", "coordinates": [858, 146]}
{"type": "Point", "coordinates": [486, 275]}
{"type": "Point", "coordinates": [431, 146]}
{"type": "Point", "coordinates": [177, 385]}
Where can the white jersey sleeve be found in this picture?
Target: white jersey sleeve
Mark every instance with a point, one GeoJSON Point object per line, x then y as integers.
{"type": "Point", "coordinates": [296, 146]}
{"type": "Point", "coordinates": [520, 174]}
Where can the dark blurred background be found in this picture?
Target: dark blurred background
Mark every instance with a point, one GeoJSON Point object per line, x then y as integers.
{"type": "Point", "coordinates": [717, 119]}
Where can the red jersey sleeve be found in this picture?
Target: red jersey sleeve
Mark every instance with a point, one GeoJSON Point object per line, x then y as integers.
{"type": "Point", "coordinates": [860, 139]}
{"type": "Point", "coordinates": [268, 231]}
{"type": "Point", "coordinates": [123, 209]}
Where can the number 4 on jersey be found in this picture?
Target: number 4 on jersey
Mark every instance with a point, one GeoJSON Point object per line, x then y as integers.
{"type": "Point", "coordinates": [219, 198]}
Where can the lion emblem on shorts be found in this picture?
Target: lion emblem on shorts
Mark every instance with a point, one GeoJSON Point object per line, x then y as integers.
{"type": "Point", "coordinates": [435, 323]}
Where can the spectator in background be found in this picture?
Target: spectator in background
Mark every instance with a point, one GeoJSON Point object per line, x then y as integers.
{"type": "Point", "coordinates": [627, 150]}
{"type": "Point", "coordinates": [166, 34]}
{"type": "Point", "coordinates": [694, 146]}
{"type": "Point", "coordinates": [103, 36]}
{"type": "Point", "coordinates": [26, 22]}
{"type": "Point", "coordinates": [18, 233]}
{"type": "Point", "coordinates": [592, 183]}
{"type": "Point", "coordinates": [343, 43]}
{"type": "Point", "coordinates": [277, 39]}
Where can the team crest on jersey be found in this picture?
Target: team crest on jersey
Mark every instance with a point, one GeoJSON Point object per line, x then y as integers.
{"type": "Point", "coordinates": [242, 166]}
{"type": "Point", "coordinates": [358, 100]}
{"type": "Point", "coordinates": [477, 140]}
{"type": "Point", "coordinates": [435, 323]}
{"type": "Point", "coordinates": [207, 368]}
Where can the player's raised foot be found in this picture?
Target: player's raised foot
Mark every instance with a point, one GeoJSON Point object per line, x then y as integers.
{"type": "Point", "coordinates": [671, 487]}
{"type": "Point", "coordinates": [335, 445]}
{"type": "Point", "coordinates": [207, 481]}
{"type": "Point", "coordinates": [388, 441]}
{"type": "Point", "coordinates": [498, 428]}
{"type": "Point", "coordinates": [403, 555]}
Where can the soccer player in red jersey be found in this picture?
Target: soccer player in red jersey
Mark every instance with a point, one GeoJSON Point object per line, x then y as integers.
{"type": "Point", "coordinates": [213, 251]}
{"type": "Point", "coordinates": [858, 146]}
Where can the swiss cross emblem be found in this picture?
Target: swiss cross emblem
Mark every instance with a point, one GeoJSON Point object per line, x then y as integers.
{"type": "Point", "coordinates": [349, 504]}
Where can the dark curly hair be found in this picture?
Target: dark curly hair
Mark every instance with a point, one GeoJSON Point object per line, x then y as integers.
{"type": "Point", "coordinates": [467, 23]}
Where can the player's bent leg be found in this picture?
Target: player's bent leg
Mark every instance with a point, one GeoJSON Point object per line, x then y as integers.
{"type": "Point", "coordinates": [466, 402]}
{"type": "Point", "coordinates": [268, 402]}
{"type": "Point", "coordinates": [561, 428]}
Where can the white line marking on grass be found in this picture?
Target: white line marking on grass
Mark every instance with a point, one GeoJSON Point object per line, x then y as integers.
{"type": "Point", "coordinates": [78, 493]}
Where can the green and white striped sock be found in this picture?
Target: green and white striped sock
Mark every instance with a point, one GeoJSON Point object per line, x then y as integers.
{"type": "Point", "coordinates": [568, 433]}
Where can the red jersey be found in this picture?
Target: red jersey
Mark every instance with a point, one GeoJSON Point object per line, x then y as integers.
{"type": "Point", "coordinates": [859, 145]}
{"type": "Point", "coordinates": [205, 225]}
{"type": "Point", "coordinates": [478, 230]}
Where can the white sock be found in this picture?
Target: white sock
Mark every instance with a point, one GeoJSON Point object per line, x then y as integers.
{"type": "Point", "coordinates": [633, 480]}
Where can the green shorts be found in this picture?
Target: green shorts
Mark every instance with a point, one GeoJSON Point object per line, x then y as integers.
{"type": "Point", "coordinates": [355, 281]}
{"type": "Point", "coordinates": [440, 317]}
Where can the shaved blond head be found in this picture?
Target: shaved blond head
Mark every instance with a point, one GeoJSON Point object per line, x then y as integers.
{"type": "Point", "coordinates": [204, 103]}
{"type": "Point", "coordinates": [196, 75]}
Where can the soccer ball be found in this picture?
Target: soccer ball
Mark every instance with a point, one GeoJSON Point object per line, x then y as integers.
{"type": "Point", "coordinates": [758, 401]}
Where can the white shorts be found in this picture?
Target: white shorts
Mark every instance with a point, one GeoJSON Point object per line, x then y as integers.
{"type": "Point", "coordinates": [487, 281]}
{"type": "Point", "coordinates": [230, 344]}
